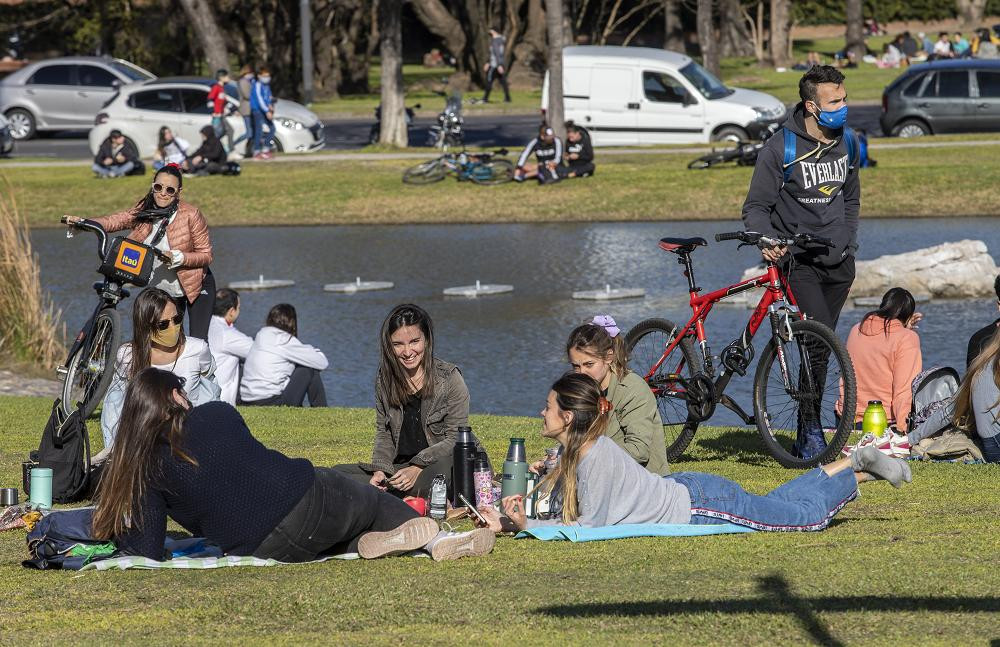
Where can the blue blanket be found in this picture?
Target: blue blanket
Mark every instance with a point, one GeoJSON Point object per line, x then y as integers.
{"type": "Point", "coordinates": [624, 531]}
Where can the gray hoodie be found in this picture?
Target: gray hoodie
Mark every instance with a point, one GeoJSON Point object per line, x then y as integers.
{"type": "Point", "coordinates": [822, 195]}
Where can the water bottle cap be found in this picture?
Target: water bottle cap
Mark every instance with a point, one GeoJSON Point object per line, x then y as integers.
{"type": "Point", "coordinates": [482, 465]}
{"type": "Point", "coordinates": [517, 440]}
{"type": "Point", "coordinates": [879, 402]}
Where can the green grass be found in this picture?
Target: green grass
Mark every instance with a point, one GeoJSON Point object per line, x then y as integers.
{"type": "Point", "coordinates": [639, 187]}
{"type": "Point", "coordinates": [896, 567]}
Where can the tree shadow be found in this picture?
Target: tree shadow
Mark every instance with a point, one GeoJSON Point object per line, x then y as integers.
{"type": "Point", "coordinates": [777, 597]}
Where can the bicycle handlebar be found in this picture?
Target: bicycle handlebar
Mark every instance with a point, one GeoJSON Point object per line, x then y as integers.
{"type": "Point", "coordinates": [102, 237]}
{"type": "Point", "coordinates": [762, 240]}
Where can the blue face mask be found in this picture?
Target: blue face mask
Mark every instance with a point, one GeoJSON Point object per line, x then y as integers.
{"type": "Point", "coordinates": [833, 118]}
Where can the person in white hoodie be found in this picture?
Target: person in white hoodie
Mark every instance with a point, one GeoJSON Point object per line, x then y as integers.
{"type": "Point", "coordinates": [228, 344]}
{"type": "Point", "coordinates": [280, 369]}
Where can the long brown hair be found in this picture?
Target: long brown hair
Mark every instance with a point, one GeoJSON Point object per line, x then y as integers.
{"type": "Point", "coordinates": [963, 416]}
{"type": "Point", "coordinates": [392, 377]}
{"type": "Point", "coordinates": [146, 313]}
{"type": "Point", "coordinates": [581, 395]}
{"type": "Point", "coordinates": [150, 416]}
{"type": "Point", "coordinates": [596, 341]}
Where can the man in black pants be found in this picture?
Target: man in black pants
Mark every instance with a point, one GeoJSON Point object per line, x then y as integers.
{"type": "Point", "coordinates": [579, 158]}
{"type": "Point", "coordinates": [818, 191]}
{"type": "Point", "coordinates": [495, 69]}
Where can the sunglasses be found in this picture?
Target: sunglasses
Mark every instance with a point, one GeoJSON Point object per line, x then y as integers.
{"type": "Point", "coordinates": [159, 188]}
{"type": "Point", "coordinates": [163, 324]}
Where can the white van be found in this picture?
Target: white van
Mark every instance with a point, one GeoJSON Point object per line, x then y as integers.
{"type": "Point", "coordinates": [628, 96]}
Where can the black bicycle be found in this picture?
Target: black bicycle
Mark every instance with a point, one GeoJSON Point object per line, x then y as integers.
{"type": "Point", "coordinates": [91, 363]}
{"type": "Point", "coordinates": [745, 154]}
{"type": "Point", "coordinates": [479, 168]}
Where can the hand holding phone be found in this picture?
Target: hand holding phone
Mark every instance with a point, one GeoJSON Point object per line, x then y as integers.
{"type": "Point", "coordinates": [472, 509]}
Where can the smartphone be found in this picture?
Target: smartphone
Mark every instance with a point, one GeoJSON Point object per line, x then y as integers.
{"type": "Point", "coordinates": [472, 509]}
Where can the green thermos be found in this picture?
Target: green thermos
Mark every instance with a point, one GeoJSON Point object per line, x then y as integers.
{"type": "Point", "coordinates": [874, 421]}
{"type": "Point", "coordinates": [515, 470]}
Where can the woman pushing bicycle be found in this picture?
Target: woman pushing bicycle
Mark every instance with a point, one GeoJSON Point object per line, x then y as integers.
{"type": "Point", "coordinates": [162, 220]}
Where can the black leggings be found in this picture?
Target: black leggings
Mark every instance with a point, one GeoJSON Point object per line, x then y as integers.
{"type": "Point", "coordinates": [199, 312]}
{"type": "Point", "coordinates": [304, 381]}
{"type": "Point", "coordinates": [330, 519]}
{"type": "Point", "coordinates": [494, 73]}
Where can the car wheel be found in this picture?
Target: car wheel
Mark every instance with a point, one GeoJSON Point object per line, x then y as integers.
{"type": "Point", "coordinates": [911, 128]}
{"type": "Point", "coordinates": [22, 123]}
{"type": "Point", "coordinates": [730, 134]}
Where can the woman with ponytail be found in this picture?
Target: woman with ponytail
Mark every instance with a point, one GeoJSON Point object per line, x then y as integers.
{"type": "Point", "coordinates": [597, 349]}
{"type": "Point", "coordinates": [597, 484]}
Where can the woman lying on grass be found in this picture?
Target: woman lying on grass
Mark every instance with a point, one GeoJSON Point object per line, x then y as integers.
{"type": "Point", "coordinates": [598, 484]}
{"type": "Point", "coordinates": [203, 468]}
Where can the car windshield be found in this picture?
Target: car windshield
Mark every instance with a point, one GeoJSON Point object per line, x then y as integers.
{"type": "Point", "coordinates": [133, 72]}
{"type": "Point", "coordinates": [709, 86]}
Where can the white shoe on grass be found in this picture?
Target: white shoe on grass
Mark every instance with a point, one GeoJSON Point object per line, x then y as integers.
{"type": "Point", "coordinates": [408, 536]}
{"type": "Point", "coordinates": [454, 545]}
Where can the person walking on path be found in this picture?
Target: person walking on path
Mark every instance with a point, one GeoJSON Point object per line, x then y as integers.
{"type": "Point", "coordinates": [817, 191]}
{"type": "Point", "coordinates": [495, 68]}
{"type": "Point", "coordinates": [262, 106]}
{"type": "Point", "coordinates": [245, 86]}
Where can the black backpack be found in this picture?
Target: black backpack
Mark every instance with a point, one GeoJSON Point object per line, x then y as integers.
{"type": "Point", "coordinates": [65, 448]}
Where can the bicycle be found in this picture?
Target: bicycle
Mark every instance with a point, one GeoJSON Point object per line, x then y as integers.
{"type": "Point", "coordinates": [745, 154]}
{"type": "Point", "coordinates": [479, 168]}
{"type": "Point", "coordinates": [796, 386]}
{"type": "Point", "coordinates": [89, 367]}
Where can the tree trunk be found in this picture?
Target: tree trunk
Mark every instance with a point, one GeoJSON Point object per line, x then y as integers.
{"type": "Point", "coordinates": [970, 13]}
{"type": "Point", "coordinates": [390, 24]}
{"type": "Point", "coordinates": [780, 25]}
{"type": "Point", "coordinates": [554, 30]}
{"type": "Point", "coordinates": [735, 34]}
{"type": "Point", "coordinates": [199, 13]}
{"type": "Point", "coordinates": [673, 33]}
{"type": "Point", "coordinates": [529, 54]}
{"type": "Point", "coordinates": [435, 16]}
{"type": "Point", "coordinates": [706, 37]}
{"type": "Point", "coordinates": [856, 28]}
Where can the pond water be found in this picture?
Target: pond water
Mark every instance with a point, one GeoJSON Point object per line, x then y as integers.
{"type": "Point", "coordinates": [509, 347]}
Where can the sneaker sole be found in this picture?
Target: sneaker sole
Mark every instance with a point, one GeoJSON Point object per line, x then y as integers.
{"type": "Point", "coordinates": [409, 536]}
{"type": "Point", "coordinates": [476, 543]}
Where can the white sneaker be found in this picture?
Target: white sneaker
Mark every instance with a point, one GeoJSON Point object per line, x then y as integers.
{"type": "Point", "coordinates": [891, 444]}
{"type": "Point", "coordinates": [410, 535]}
{"type": "Point", "coordinates": [454, 545]}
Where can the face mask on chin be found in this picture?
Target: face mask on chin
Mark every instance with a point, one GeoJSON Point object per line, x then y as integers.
{"type": "Point", "coordinates": [167, 338]}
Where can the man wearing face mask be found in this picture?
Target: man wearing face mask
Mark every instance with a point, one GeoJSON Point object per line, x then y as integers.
{"type": "Point", "coordinates": [806, 181]}
{"type": "Point", "coordinates": [262, 106]}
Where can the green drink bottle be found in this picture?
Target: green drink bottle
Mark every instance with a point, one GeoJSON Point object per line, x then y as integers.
{"type": "Point", "coordinates": [874, 421]}
{"type": "Point", "coordinates": [515, 470]}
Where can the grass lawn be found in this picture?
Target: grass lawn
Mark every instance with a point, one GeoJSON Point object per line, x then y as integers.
{"type": "Point", "coordinates": [896, 567]}
{"type": "Point", "coordinates": [639, 187]}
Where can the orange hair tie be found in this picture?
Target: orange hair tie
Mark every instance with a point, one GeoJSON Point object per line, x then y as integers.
{"type": "Point", "coordinates": [603, 406]}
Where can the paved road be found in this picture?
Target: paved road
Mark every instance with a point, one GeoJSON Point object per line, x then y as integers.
{"type": "Point", "coordinates": [511, 131]}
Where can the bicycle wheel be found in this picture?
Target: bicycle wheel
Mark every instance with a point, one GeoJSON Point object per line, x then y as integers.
{"type": "Point", "coordinates": [817, 365]}
{"type": "Point", "coordinates": [424, 173]}
{"type": "Point", "coordinates": [493, 172]}
{"type": "Point", "coordinates": [646, 342]}
{"type": "Point", "coordinates": [706, 161]}
{"type": "Point", "coordinates": [91, 368]}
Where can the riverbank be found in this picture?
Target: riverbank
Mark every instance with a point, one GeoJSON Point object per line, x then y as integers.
{"type": "Point", "coordinates": [906, 566]}
{"type": "Point", "coordinates": [934, 178]}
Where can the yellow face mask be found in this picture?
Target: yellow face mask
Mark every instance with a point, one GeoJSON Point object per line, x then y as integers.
{"type": "Point", "coordinates": [168, 338]}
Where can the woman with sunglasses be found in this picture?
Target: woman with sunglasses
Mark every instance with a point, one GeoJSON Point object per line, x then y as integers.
{"type": "Point", "coordinates": [162, 220]}
{"type": "Point", "coordinates": [157, 341]}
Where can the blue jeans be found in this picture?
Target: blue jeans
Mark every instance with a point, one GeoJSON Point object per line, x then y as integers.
{"type": "Point", "coordinates": [118, 169]}
{"type": "Point", "coordinates": [247, 130]}
{"type": "Point", "coordinates": [262, 141]}
{"type": "Point", "coordinates": [991, 448]}
{"type": "Point", "coordinates": [806, 503]}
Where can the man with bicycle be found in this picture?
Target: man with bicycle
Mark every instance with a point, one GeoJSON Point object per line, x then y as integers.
{"type": "Point", "coordinates": [806, 181]}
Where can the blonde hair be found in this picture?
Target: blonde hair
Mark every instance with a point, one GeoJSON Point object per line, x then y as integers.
{"type": "Point", "coordinates": [595, 341]}
{"type": "Point", "coordinates": [963, 416]}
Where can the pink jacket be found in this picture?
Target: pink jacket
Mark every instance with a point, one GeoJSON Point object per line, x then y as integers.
{"type": "Point", "coordinates": [885, 365]}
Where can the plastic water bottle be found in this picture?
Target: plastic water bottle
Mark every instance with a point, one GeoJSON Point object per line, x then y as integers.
{"type": "Point", "coordinates": [874, 421]}
{"type": "Point", "coordinates": [439, 497]}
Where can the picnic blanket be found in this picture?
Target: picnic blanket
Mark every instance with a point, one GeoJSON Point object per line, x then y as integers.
{"type": "Point", "coordinates": [624, 531]}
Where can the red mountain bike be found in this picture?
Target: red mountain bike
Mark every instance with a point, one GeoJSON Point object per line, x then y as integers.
{"type": "Point", "coordinates": [799, 375]}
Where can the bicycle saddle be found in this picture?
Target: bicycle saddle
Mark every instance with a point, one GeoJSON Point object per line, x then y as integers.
{"type": "Point", "coordinates": [681, 245]}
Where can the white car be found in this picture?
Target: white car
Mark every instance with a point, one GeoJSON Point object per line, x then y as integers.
{"type": "Point", "coordinates": [138, 110]}
{"type": "Point", "coordinates": [627, 96]}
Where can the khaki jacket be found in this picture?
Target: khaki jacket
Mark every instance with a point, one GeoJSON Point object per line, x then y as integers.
{"type": "Point", "coordinates": [447, 410]}
{"type": "Point", "coordinates": [188, 233]}
{"type": "Point", "coordinates": [635, 423]}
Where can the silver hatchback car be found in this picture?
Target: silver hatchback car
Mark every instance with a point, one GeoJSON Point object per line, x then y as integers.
{"type": "Point", "coordinates": [63, 93]}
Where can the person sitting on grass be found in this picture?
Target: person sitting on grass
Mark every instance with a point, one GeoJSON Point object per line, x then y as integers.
{"type": "Point", "coordinates": [116, 157]}
{"type": "Point", "coordinates": [548, 151]}
{"type": "Point", "coordinates": [420, 402]}
{"type": "Point", "coordinates": [230, 346]}
{"type": "Point", "coordinates": [982, 336]}
{"type": "Point", "coordinates": [201, 467]}
{"type": "Point", "coordinates": [280, 369]}
{"type": "Point", "coordinates": [158, 341]}
{"type": "Point", "coordinates": [597, 484]}
{"type": "Point", "coordinates": [579, 159]}
{"type": "Point", "coordinates": [169, 149]}
{"type": "Point", "coordinates": [210, 158]}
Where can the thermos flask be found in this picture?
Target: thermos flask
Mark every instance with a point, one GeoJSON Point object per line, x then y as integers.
{"type": "Point", "coordinates": [483, 477]}
{"type": "Point", "coordinates": [463, 467]}
{"type": "Point", "coordinates": [515, 470]}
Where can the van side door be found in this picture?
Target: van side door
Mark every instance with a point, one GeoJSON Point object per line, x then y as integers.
{"type": "Point", "coordinates": [669, 113]}
{"type": "Point", "coordinates": [611, 117]}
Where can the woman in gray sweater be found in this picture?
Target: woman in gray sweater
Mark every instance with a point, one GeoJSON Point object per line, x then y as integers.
{"type": "Point", "coordinates": [597, 484]}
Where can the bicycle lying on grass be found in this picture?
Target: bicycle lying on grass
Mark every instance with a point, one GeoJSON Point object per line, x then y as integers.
{"type": "Point", "coordinates": [799, 375]}
{"type": "Point", "coordinates": [479, 168]}
{"type": "Point", "coordinates": [745, 154]}
{"type": "Point", "coordinates": [91, 362]}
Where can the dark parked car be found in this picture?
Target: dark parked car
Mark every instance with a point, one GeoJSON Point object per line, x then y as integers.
{"type": "Point", "coordinates": [947, 96]}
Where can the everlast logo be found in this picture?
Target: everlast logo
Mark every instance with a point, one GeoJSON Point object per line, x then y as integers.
{"type": "Point", "coordinates": [814, 173]}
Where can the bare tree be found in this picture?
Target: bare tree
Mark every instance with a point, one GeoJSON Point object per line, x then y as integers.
{"type": "Point", "coordinates": [554, 30]}
{"type": "Point", "coordinates": [735, 39]}
{"type": "Point", "coordinates": [202, 19]}
{"type": "Point", "coordinates": [439, 21]}
{"type": "Point", "coordinates": [390, 24]}
{"type": "Point", "coordinates": [781, 24]}
{"type": "Point", "coordinates": [673, 33]}
{"type": "Point", "coordinates": [856, 28]}
{"type": "Point", "coordinates": [706, 37]}
{"type": "Point", "coordinates": [970, 13]}
{"type": "Point", "coordinates": [756, 26]}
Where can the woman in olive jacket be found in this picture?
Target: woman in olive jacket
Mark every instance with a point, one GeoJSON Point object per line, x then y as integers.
{"type": "Point", "coordinates": [420, 402]}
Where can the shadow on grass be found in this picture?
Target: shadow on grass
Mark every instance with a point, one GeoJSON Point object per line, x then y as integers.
{"type": "Point", "coordinates": [777, 597]}
{"type": "Point", "coordinates": [744, 445]}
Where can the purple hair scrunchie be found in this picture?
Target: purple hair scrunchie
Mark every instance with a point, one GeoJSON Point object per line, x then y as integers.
{"type": "Point", "coordinates": [608, 323]}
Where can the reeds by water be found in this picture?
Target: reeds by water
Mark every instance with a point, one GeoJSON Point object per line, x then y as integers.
{"type": "Point", "coordinates": [29, 329]}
